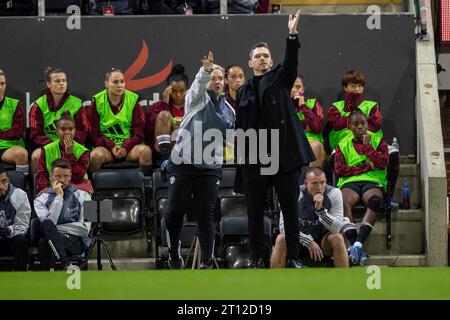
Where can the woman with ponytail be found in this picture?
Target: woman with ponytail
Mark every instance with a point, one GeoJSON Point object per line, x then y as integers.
{"type": "Point", "coordinates": [165, 116]}
{"type": "Point", "coordinates": [47, 110]}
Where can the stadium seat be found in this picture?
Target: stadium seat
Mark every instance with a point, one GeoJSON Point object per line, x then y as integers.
{"type": "Point", "coordinates": [234, 242]}
{"type": "Point", "coordinates": [17, 179]}
{"type": "Point", "coordinates": [126, 188]}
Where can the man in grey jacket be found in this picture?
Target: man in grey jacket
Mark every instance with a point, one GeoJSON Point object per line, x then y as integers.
{"type": "Point", "coordinates": [15, 213]}
{"type": "Point", "coordinates": [322, 223]}
{"type": "Point", "coordinates": [59, 208]}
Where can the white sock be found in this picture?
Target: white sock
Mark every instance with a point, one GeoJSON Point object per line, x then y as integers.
{"type": "Point", "coordinates": [163, 138]}
{"type": "Point", "coordinates": [358, 244]}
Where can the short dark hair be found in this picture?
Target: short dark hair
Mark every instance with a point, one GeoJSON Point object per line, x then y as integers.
{"type": "Point", "coordinates": [2, 73]}
{"type": "Point", "coordinates": [353, 76]}
{"type": "Point", "coordinates": [111, 70]}
{"type": "Point", "coordinates": [67, 116]}
{"type": "Point", "coordinates": [258, 45]}
{"type": "Point", "coordinates": [356, 113]}
{"type": "Point", "coordinates": [61, 163]}
{"type": "Point", "coordinates": [52, 70]}
{"type": "Point", "coordinates": [2, 168]}
{"type": "Point", "coordinates": [178, 74]}
{"type": "Point", "coordinates": [316, 171]}
{"type": "Point", "coordinates": [227, 69]}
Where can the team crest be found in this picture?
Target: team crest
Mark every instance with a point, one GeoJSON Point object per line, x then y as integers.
{"type": "Point", "coordinates": [172, 180]}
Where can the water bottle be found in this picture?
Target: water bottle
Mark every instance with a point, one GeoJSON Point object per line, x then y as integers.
{"type": "Point", "coordinates": [395, 145]}
{"type": "Point", "coordinates": [405, 193]}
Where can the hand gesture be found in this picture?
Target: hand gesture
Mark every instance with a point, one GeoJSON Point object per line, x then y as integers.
{"type": "Point", "coordinates": [166, 94]}
{"type": "Point", "coordinates": [208, 62]}
{"type": "Point", "coordinates": [318, 201]}
{"type": "Point", "coordinates": [116, 152]}
{"type": "Point", "coordinates": [293, 22]}
{"type": "Point", "coordinates": [57, 187]}
{"type": "Point", "coordinates": [68, 145]}
{"type": "Point", "coordinates": [121, 152]}
{"type": "Point", "coordinates": [366, 139]}
{"type": "Point", "coordinates": [315, 252]}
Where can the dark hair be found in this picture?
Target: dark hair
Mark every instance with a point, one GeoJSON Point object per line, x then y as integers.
{"type": "Point", "coordinates": [111, 70]}
{"type": "Point", "coordinates": [51, 70]}
{"type": "Point", "coordinates": [355, 113]}
{"type": "Point", "coordinates": [67, 116]}
{"type": "Point", "coordinates": [2, 73]}
{"type": "Point", "coordinates": [227, 69]}
{"type": "Point", "coordinates": [61, 163]}
{"type": "Point", "coordinates": [178, 74]}
{"type": "Point", "coordinates": [2, 168]}
{"type": "Point", "coordinates": [353, 76]}
{"type": "Point", "coordinates": [315, 170]}
{"type": "Point", "coordinates": [259, 45]}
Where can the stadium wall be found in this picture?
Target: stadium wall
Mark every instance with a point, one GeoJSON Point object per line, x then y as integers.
{"type": "Point", "coordinates": [146, 47]}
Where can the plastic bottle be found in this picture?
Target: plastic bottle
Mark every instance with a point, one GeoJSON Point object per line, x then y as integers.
{"type": "Point", "coordinates": [405, 193]}
{"type": "Point", "coordinates": [395, 145]}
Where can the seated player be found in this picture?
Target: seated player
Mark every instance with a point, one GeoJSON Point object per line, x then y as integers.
{"type": "Point", "coordinates": [66, 148]}
{"type": "Point", "coordinates": [360, 163]}
{"type": "Point", "coordinates": [15, 212]}
{"type": "Point", "coordinates": [165, 116]}
{"type": "Point", "coordinates": [48, 108]}
{"type": "Point", "coordinates": [321, 223]}
{"type": "Point", "coordinates": [117, 125]}
{"type": "Point", "coordinates": [12, 124]}
{"type": "Point", "coordinates": [59, 208]}
{"type": "Point", "coordinates": [353, 84]}
{"type": "Point", "coordinates": [310, 113]}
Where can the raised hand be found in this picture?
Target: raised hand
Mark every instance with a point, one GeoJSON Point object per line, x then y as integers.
{"type": "Point", "coordinates": [166, 94]}
{"type": "Point", "coordinates": [208, 62]}
{"type": "Point", "coordinates": [57, 187]}
{"type": "Point", "coordinates": [318, 201]}
{"type": "Point", "coordinates": [366, 139]}
{"type": "Point", "coordinates": [293, 22]}
{"type": "Point", "coordinates": [68, 144]}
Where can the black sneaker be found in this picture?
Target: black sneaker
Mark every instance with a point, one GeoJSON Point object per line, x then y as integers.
{"type": "Point", "coordinates": [176, 263]}
{"type": "Point", "coordinates": [295, 263]}
{"type": "Point", "coordinates": [257, 264]}
{"type": "Point", "coordinates": [70, 267]}
{"type": "Point", "coordinates": [209, 264]}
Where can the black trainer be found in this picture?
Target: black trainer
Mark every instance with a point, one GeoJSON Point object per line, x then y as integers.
{"type": "Point", "coordinates": [295, 263]}
{"type": "Point", "coordinates": [257, 264]}
{"type": "Point", "coordinates": [176, 263]}
{"type": "Point", "coordinates": [209, 264]}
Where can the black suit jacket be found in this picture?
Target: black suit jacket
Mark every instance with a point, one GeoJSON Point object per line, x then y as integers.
{"type": "Point", "coordinates": [278, 112]}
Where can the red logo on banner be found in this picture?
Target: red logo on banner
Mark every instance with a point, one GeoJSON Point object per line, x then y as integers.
{"type": "Point", "coordinates": [147, 82]}
{"type": "Point", "coordinates": [445, 21]}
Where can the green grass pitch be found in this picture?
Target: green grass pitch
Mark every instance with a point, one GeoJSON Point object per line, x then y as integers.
{"type": "Point", "coordinates": [275, 284]}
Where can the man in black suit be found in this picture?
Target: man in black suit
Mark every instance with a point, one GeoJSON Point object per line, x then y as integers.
{"type": "Point", "coordinates": [264, 103]}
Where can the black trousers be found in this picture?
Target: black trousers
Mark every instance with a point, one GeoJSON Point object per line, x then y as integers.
{"type": "Point", "coordinates": [17, 246]}
{"type": "Point", "coordinates": [287, 187]}
{"type": "Point", "coordinates": [64, 244]}
{"type": "Point", "coordinates": [185, 180]}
